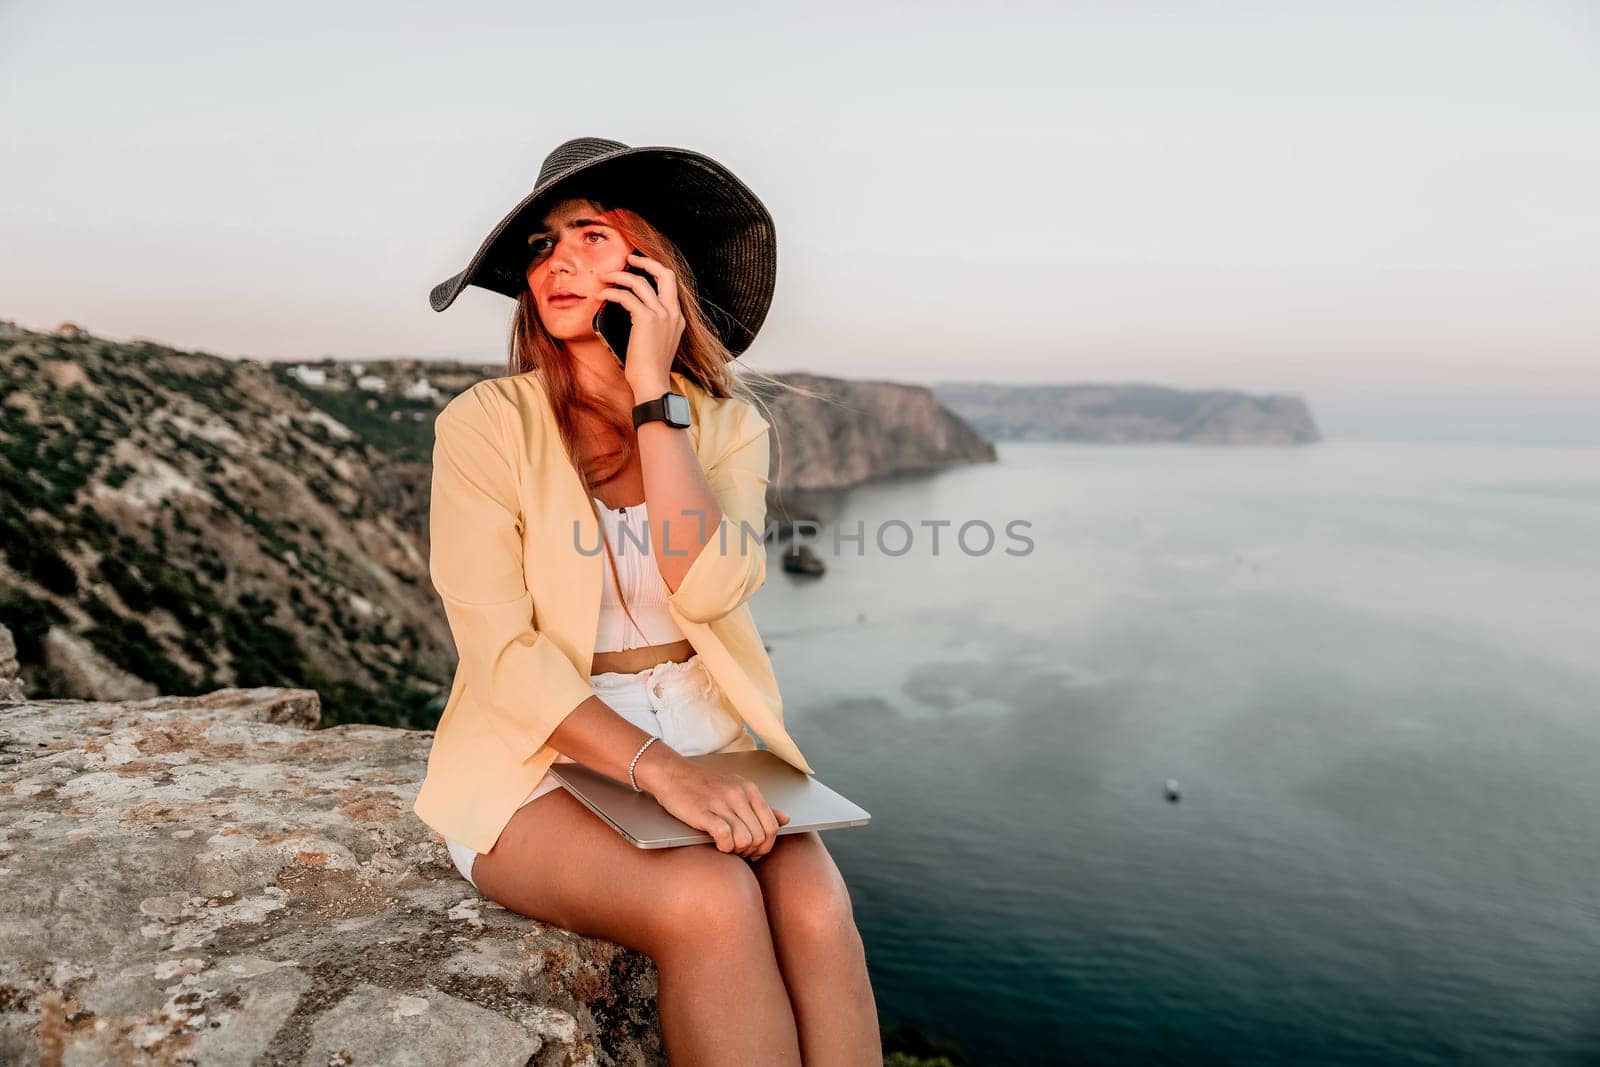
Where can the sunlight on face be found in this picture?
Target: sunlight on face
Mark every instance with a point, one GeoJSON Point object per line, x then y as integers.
{"type": "Point", "coordinates": [568, 255]}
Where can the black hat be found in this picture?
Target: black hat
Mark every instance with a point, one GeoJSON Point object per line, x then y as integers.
{"type": "Point", "coordinates": [719, 225]}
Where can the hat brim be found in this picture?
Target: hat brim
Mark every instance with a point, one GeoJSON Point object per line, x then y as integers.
{"type": "Point", "coordinates": [721, 227]}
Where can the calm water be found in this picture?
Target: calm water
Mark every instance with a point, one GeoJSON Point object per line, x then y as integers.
{"type": "Point", "coordinates": [1373, 669]}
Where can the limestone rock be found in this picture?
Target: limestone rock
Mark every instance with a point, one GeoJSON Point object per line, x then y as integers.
{"type": "Point", "coordinates": [205, 880]}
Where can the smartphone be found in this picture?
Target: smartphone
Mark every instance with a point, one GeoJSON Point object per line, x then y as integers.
{"type": "Point", "coordinates": [614, 323]}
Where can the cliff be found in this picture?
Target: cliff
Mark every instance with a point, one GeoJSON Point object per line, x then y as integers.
{"type": "Point", "coordinates": [1126, 414]}
{"type": "Point", "coordinates": [840, 432]}
{"type": "Point", "coordinates": [207, 880]}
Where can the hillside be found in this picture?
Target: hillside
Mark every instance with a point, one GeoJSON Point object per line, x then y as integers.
{"type": "Point", "coordinates": [175, 522]}
{"type": "Point", "coordinates": [1128, 414]}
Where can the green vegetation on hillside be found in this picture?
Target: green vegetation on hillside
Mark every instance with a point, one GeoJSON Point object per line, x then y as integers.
{"type": "Point", "coordinates": [163, 597]}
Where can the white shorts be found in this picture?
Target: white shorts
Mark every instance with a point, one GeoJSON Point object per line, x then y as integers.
{"type": "Point", "coordinates": [678, 702]}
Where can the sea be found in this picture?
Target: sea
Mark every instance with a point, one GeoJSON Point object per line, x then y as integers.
{"type": "Point", "coordinates": [1185, 754]}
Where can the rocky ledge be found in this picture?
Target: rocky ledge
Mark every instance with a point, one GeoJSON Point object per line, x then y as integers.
{"type": "Point", "coordinates": [209, 880]}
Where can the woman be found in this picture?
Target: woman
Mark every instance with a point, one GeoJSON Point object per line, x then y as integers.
{"type": "Point", "coordinates": [633, 659]}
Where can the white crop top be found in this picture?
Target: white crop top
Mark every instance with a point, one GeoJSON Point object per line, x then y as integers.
{"type": "Point", "coordinates": [641, 583]}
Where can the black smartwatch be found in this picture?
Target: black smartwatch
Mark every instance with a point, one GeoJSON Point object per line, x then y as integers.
{"type": "Point", "coordinates": [671, 408]}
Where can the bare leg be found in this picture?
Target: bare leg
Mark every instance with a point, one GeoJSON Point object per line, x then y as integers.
{"type": "Point", "coordinates": [698, 913]}
{"type": "Point", "coordinates": [820, 953]}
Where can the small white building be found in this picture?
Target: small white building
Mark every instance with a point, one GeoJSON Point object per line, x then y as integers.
{"type": "Point", "coordinates": [309, 375]}
{"type": "Point", "coordinates": [421, 389]}
{"type": "Point", "coordinates": [372, 383]}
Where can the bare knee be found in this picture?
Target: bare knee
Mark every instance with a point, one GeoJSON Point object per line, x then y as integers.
{"type": "Point", "coordinates": [806, 896]}
{"type": "Point", "coordinates": [818, 912]}
{"type": "Point", "coordinates": [710, 900]}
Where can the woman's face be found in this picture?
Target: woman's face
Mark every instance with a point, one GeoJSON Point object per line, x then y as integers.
{"type": "Point", "coordinates": [568, 256]}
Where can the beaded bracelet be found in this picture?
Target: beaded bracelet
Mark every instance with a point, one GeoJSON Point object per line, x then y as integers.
{"type": "Point", "coordinates": [636, 755]}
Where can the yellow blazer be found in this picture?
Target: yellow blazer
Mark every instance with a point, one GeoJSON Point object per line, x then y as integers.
{"type": "Point", "coordinates": [523, 602]}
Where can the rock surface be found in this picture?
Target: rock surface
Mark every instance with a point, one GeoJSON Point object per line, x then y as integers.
{"type": "Point", "coordinates": [206, 880]}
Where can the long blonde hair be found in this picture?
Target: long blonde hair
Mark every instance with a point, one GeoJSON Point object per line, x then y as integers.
{"type": "Point", "coordinates": [701, 357]}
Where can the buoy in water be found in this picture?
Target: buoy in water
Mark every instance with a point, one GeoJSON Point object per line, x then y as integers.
{"type": "Point", "coordinates": [1174, 794]}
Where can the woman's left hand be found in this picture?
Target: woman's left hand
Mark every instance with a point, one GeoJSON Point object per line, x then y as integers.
{"type": "Point", "coordinates": [657, 322]}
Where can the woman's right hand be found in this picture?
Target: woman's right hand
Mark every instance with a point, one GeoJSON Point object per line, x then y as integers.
{"type": "Point", "coordinates": [729, 807]}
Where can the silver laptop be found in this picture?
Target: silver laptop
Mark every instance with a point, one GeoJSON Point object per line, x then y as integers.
{"type": "Point", "coordinates": [646, 824]}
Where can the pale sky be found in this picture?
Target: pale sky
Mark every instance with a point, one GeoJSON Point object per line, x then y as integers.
{"type": "Point", "coordinates": [1387, 207]}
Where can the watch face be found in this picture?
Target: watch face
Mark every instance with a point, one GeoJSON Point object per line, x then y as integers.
{"type": "Point", "coordinates": [677, 409]}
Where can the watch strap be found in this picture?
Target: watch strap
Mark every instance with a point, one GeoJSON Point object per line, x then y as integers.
{"type": "Point", "coordinates": [653, 410]}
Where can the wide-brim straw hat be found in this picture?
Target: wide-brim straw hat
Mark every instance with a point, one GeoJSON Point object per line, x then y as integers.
{"type": "Point", "coordinates": [720, 226]}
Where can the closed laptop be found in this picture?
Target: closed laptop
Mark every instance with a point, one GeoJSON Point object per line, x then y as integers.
{"type": "Point", "coordinates": [645, 823]}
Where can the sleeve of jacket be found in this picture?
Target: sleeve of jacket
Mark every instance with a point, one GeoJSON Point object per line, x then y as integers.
{"type": "Point", "coordinates": [521, 679]}
{"type": "Point", "coordinates": [733, 563]}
